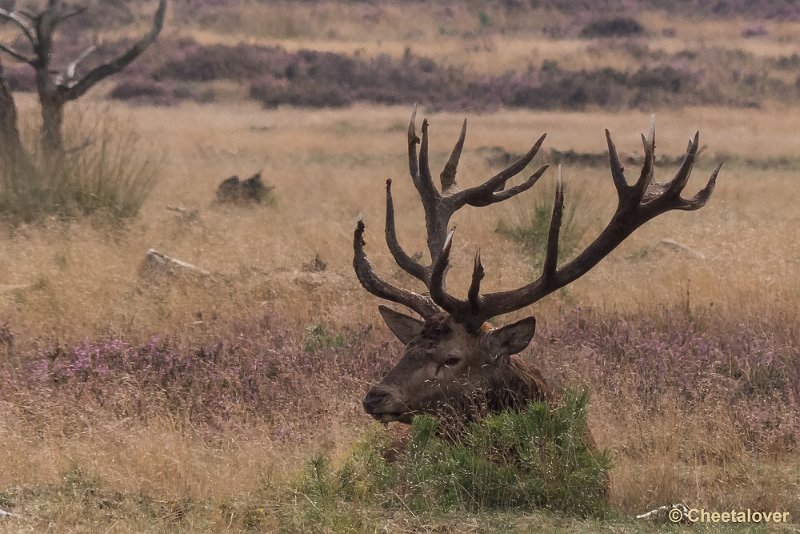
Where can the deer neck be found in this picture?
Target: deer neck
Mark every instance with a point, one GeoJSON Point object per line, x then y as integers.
{"type": "Point", "coordinates": [515, 385]}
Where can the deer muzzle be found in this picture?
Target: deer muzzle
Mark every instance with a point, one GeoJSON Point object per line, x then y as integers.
{"type": "Point", "coordinates": [382, 406]}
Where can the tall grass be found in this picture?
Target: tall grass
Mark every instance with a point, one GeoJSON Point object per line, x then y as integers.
{"type": "Point", "coordinates": [106, 168]}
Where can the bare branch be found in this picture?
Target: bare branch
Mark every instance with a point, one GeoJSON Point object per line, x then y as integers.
{"type": "Point", "coordinates": [72, 91]}
{"type": "Point", "coordinates": [69, 73]}
{"type": "Point", "coordinates": [16, 55]}
{"type": "Point", "coordinates": [75, 12]}
{"type": "Point", "coordinates": [14, 17]}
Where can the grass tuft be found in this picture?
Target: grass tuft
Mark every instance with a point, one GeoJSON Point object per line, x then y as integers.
{"type": "Point", "coordinates": [106, 169]}
{"type": "Point", "coordinates": [529, 224]}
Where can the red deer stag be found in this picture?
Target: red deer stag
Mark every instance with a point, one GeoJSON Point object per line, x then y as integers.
{"type": "Point", "coordinates": [454, 361]}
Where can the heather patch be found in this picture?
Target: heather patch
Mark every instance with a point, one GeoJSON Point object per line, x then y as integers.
{"type": "Point", "coordinates": [752, 367]}
{"type": "Point", "coordinates": [262, 373]}
{"type": "Point", "coordinates": [266, 372]}
{"type": "Point", "coordinates": [275, 76]}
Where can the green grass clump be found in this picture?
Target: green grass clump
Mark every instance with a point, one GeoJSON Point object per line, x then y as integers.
{"type": "Point", "coordinates": [528, 223]}
{"type": "Point", "coordinates": [533, 459]}
{"type": "Point", "coordinates": [319, 337]}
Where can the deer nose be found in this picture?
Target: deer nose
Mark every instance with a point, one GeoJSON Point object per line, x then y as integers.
{"type": "Point", "coordinates": [373, 399]}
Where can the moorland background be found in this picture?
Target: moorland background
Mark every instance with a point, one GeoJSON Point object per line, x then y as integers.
{"type": "Point", "coordinates": [142, 401]}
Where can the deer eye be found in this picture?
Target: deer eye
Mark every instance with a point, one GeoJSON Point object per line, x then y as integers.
{"type": "Point", "coordinates": [449, 362]}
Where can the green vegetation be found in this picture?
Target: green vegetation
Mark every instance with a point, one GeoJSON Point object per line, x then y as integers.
{"type": "Point", "coordinates": [534, 459]}
{"type": "Point", "coordinates": [529, 224]}
{"type": "Point", "coordinates": [319, 337]}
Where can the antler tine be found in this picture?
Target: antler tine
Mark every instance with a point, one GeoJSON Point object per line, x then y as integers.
{"type": "Point", "coordinates": [379, 287]}
{"type": "Point", "coordinates": [428, 191]}
{"type": "Point", "coordinates": [448, 176]}
{"type": "Point", "coordinates": [700, 199]}
{"type": "Point", "coordinates": [521, 188]}
{"type": "Point", "coordinates": [474, 294]}
{"type": "Point", "coordinates": [482, 195]}
{"type": "Point", "coordinates": [551, 257]}
{"type": "Point", "coordinates": [676, 185]}
{"type": "Point", "coordinates": [635, 208]}
{"type": "Point", "coordinates": [438, 275]}
{"type": "Point", "coordinates": [466, 312]}
{"type": "Point", "coordinates": [649, 146]}
{"type": "Point", "coordinates": [435, 218]}
{"type": "Point", "coordinates": [406, 262]}
{"type": "Point", "coordinates": [617, 170]}
{"type": "Point", "coordinates": [413, 163]}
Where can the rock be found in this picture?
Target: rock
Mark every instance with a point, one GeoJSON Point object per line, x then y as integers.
{"type": "Point", "coordinates": [155, 261]}
{"type": "Point", "coordinates": [679, 247]}
{"type": "Point", "coordinates": [234, 190]}
{"type": "Point", "coordinates": [314, 266]}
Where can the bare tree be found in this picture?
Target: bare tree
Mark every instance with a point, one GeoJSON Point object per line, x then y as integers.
{"type": "Point", "coordinates": [10, 145]}
{"type": "Point", "coordinates": [57, 87]}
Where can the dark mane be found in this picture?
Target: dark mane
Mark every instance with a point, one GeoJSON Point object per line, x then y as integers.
{"type": "Point", "coordinates": [519, 384]}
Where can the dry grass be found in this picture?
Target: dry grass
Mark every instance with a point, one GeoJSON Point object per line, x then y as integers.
{"type": "Point", "coordinates": [78, 274]}
{"type": "Point", "coordinates": [62, 282]}
{"type": "Point", "coordinates": [81, 282]}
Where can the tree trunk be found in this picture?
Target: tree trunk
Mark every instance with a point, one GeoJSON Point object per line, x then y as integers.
{"type": "Point", "coordinates": [52, 119]}
{"type": "Point", "coordinates": [10, 143]}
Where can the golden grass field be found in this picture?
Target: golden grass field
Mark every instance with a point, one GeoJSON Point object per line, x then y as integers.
{"type": "Point", "coordinates": [63, 282]}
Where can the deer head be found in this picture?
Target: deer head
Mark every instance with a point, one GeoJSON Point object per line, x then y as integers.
{"type": "Point", "coordinates": [454, 361]}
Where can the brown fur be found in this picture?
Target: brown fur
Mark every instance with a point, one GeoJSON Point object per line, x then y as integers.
{"type": "Point", "coordinates": [484, 380]}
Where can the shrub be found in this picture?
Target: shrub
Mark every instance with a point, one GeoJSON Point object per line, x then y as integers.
{"type": "Point", "coordinates": [141, 90]}
{"type": "Point", "coordinates": [271, 94]}
{"type": "Point", "coordinates": [614, 27]}
{"type": "Point", "coordinates": [107, 170]}
{"type": "Point", "coordinates": [195, 62]}
{"type": "Point", "coordinates": [535, 458]}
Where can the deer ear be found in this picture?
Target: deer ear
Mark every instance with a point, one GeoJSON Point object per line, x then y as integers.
{"type": "Point", "coordinates": [511, 339]}
{"type": "Point", "coordinates": [403, 326]}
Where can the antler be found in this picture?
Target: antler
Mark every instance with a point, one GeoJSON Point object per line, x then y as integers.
{"type": "Point", "coordinates": [637, 204]}
{"type": "Point", "coordinates": [439, 207]}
